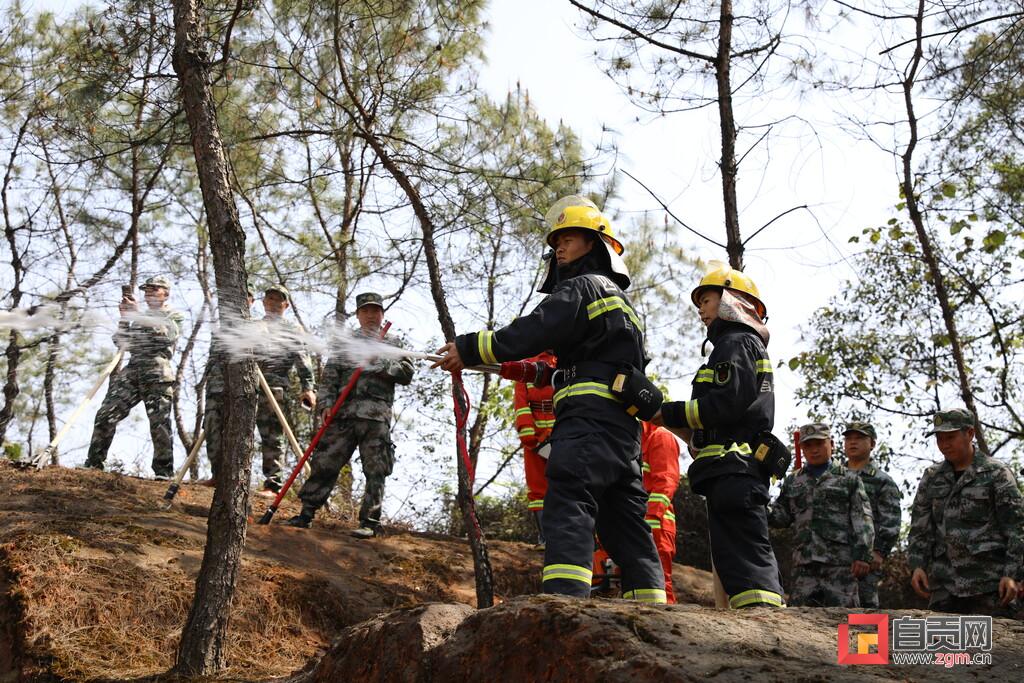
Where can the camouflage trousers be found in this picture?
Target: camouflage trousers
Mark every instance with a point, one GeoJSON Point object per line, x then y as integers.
{"type": "Point", "coordinates": [126, 389]}
{"type": "Point", "coordinates": [986, 603]}
{"type": "Point", "coordinates": [213, 425]}
{"type": "Point", "coordinates": [272, 441]}
{"type": "Point", "coordinates": [335, 450]}
{"type": "Point", "coordinates": [867, 589]}
{"type": "Point", "coordinates": [823, 585]}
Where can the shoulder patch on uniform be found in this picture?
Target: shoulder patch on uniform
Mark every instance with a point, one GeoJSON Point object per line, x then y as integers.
{"type": "Point", "coordinates": [723, 372]}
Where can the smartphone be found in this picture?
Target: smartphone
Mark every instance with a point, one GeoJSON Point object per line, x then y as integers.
{"type": "Point", "coordinates": [126, 293]}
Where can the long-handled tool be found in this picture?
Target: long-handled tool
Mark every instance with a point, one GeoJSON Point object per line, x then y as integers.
{"type": "Point", "coordinates": [172, 490]}
{"type": "Point", "coordinates": [269, 393]}
{"type": "Point", "coordinates": [342, 397]}
{"type": "Point", "coordinates": [175, 486]}
{"type": "Point", "coordinates": [47, 453]}
{"type": "Point", "coordinates": [799, 461]}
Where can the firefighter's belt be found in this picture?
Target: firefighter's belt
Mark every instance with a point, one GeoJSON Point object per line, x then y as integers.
{"type": "Point", "coordinates": [542, 406]}
{"type": "Point", "coordinates": [622, 382]}
{"type": "Point", "coordinates": [720, 450]}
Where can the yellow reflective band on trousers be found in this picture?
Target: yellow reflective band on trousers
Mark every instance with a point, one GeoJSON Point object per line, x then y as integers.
{"type": "Point", "coordinates": [653, 595]}
{"type": "Point", "coordinates": [526, 431]}
{"type": "Point", "coordinates": [535, 505]}
{"type": "Point", "coordinates": [764, 366]}
{"type": "Point", "coordinates": [692, 413]}
{"type": "Point", "coordinates": [612, 303]}
{"type": "Point", "coordinates": [706, 375]}
{"type": "Point", "coordinates": [653, 523]}
{"type": "Point", "coordinates": [755, 597]}
{"type": "Point", "coordinates": [485, 347]}
{"type": "Point", "coordinates": [544, 424]}
{"type": "Point", "coordinates": [718, 450]}
{"type": "Point", "coordinates": [572, 572]}
{"type": "Point", "coordinates": [659, 498]}
{"type": "Point", "coordinates": [522, 411]}
{"type": "Point", "coordinates": [670, 516]}
{"type": "Point", "coordinates": [585, 389]}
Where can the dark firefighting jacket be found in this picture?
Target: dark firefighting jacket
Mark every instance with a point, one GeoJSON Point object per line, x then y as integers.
{"type": "Point", "coordinates": [732, 401]}
{"type": "Point", "coordinates": [590, 324]}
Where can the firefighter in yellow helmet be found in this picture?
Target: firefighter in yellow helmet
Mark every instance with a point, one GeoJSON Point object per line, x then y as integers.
{"type": "Point", "coordinates": [728, 421]}
{"type": "Point", "coordinates": [593, 469]}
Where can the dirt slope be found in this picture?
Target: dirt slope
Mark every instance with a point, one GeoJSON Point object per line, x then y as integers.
{"type": "Point", "coordinates": [96, 580]}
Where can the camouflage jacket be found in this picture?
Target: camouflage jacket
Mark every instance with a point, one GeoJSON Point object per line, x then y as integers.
{"type": "Point", "coordinates": [885, 498]}
{"type": "Point", "coordinates": [832, 516]}
{"type": "Point", "coordinates": [215, 364]}
{"type": "Point", "coordinates": [374, 392]}
{"type": "Point", "coordinates": [966, 533]}
{"type": "Point", "coordinates": [283, 352]}
{"type": "Point", "coordinates": [150, 337]}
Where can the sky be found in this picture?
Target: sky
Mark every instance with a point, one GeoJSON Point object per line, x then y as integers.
{"type": "Point", "coordinates": [799, 262]}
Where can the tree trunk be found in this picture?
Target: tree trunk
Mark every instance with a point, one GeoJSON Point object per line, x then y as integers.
{"type": "Point", "coordinates": [203, 647]}
{"type": "Point", "coordinates": [734, 241]}
{"type": "Point", "coordinates": [927, 249]}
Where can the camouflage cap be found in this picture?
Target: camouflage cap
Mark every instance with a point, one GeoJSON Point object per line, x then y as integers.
{"type": "Point", "coordinates": [157, 281]}
{"type": "Point", "coordinates": [864, 428]}
{"type": "Point", "coordinates": [815, 430]}
{"type": "Point", "coordinates": [952, 421]}
{"type": "Point", "coordinates": [278, 289]}
{"type": "Point", "coordinates": [369, 299]}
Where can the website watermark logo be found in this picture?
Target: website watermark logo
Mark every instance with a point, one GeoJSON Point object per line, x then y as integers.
{"type": "Point", "coordinates": [865, 641]}
{"type": "Point", "coordinates": [945, 641]}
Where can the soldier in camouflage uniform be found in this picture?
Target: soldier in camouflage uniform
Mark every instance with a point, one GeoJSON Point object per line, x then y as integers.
{"type": "Point", "coordinates": [364, 420]}
{"type": "Point", "coordinates": [834, 532]}
{"type": "Point", "coordinates": [966, 542]}
{"type": "Point", "coordinates": [283, 352]}
{"type": "Point", "coordinates": [859, 439]}
{"type": "Point", "coordinates": [149, 339]}
{"type": "Point", "coordinates": [214, 393]}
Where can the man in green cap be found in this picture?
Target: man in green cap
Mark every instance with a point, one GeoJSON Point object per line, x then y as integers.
{"type": "Point", "coordinates": [831, 515]}
{"type": "Point", "coordinates": [364, 420]}
{"type": "Point", "coordinates": [214, 386]}
{"type": "Point", "coordinates": [966, 541]}
{"type": "Point", "coordinates": [283, 351]}
{"type": "Point", "coordinates": [149, 339]}
{"type": "Point", "coordinates": [859, 439]}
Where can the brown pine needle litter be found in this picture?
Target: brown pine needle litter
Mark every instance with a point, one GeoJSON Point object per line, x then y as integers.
{"type": "Point", "coordinates": [98, 596]}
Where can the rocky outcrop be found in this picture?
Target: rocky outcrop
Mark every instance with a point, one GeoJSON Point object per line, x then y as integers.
{"type": "Point", "coordinates": [549, 638]}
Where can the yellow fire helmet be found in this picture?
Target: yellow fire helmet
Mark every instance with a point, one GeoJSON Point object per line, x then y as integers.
{"type": "Point", "coordinates": [720, 274]}
{"type": "Point", "coordinates": [579, 213]}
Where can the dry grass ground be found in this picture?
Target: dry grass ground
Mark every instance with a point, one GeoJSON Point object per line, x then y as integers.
{"type": "Point", "coordinates": [96, 580]}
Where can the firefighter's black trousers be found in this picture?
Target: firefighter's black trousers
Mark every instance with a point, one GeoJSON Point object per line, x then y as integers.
{"type": "Point", "coordinates": [594, 479]}
{"type": "Point", "coordinates": [740, 546]}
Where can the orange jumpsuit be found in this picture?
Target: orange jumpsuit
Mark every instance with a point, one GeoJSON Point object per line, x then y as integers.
{"type": "Point", "coordinates": [660, 454]}
{"type": "Point", "coordinates": [535, 416]}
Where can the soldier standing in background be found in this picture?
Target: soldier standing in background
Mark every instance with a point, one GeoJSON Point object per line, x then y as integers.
{"type": "Point", "coordinates": [966, 541]}
{"type": "Point", "coordinates": [149, 339]}
{"type": "Point", "coordinates": [283, 351]}
{"type": "Point", "coordinates": [830, 511]}
{"type": "Point", "coordinates": [859, 440]}
{"type": "Point", "coordinates": [214, 389]}
{"type": "Point", "coordinates": [364, 420]}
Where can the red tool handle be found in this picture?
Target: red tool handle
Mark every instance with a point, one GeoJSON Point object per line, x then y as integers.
{"type": "Point", "coordinates": [342, 397]}
{"type": "Point", "coordinates": [796, 448]}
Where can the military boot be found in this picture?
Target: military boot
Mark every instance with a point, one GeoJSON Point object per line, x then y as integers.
{"type": "Point", "coordinates": [366, 531]}
{"type": "Point", "coordinates": [302, 520]}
